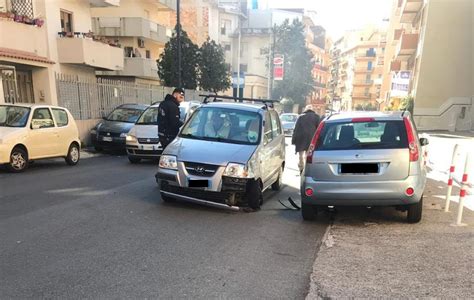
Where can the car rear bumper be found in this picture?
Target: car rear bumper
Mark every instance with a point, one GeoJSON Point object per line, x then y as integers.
{"type": "Point", "coordinates": [134, 151]}
{"type": "Point", "coordinates": [373, 193]}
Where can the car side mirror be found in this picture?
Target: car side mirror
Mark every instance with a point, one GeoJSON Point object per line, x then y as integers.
{"type": "Point", "coordinates": [424, 141]}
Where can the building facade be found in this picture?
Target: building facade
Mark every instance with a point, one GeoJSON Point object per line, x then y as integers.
{"type": "Point", "coordinates": [430, 46]}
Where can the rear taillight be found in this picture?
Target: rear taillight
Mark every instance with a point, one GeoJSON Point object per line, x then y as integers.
{"type": "Point", "coordinates": [314, 143]}
{"type": "Point", "coordinates": [412, 145]}
{"type": "Point", "coordinates": [409, 191]}
{"type": "Point", "coordinates": [358, 120]}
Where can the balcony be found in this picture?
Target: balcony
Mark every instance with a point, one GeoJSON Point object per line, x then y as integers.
{"type": "Point", "coordinates": [406, 46]}
{"type": "Point", "coordinates": [104, 3]}
{"type": "Point", "coordinates": [136, 67]}
{"type": "Point", "coordinates": [85, 51]}
{"type": "Point", "coordinates": [409, 9]}
{"type": "Point", "coordinates": [396, 35]}
{"type": "Point", "coordinates": [130, 27]}
{"type": "Point", "coordinates": [166, 4]}
{"type": "Point", "coordinates": [361, 95]}
{"type": "Point", "coordinates": [395, 66]}
{"type": "Point", "coordinates": [363, 70]}
{"type": "Point", "coordinates": [320, 85]}
{"type": "Point", "coordinates": [23, 37]}
{"type": "Point", "coordinates": [363, 82]}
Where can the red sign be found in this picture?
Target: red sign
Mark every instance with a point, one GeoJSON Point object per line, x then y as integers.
{"type": "Point", "coordinates": [278, 72]}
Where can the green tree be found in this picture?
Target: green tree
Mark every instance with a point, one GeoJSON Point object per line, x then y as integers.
{"type": "Point", "coordinates": [407, 103]}
{"type": "Point", "coordinates": [214, 73]}
{"type": "Point", "coordinates": [168, 62]}
{"type": "Point", "coordinates": [297, 82]}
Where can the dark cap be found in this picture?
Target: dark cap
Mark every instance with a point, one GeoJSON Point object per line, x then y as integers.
{"type": "Point", "coordinates": [178, 90]}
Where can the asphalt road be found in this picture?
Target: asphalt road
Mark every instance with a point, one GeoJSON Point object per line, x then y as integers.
{"type": "Point", "coordinates": [100, 230]}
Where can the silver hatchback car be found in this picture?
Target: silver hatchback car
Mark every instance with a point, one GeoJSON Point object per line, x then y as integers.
{"type": "Point", "coordinates": [225, 155]}
{"type": "Point", "coordinates": [365, 159]}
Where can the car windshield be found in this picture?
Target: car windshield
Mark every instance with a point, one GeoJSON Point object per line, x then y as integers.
{"type": "Point", "coordinates": [149, 117]}
{"type": "Point", "coordinates": [288, 117]}
{"type": "Point", "coordinates": [363, 135]}
{"type": "Point", "coordinates": [13, 116]}
{"type": "Point", "coordinates": [129, 115]}
{"type": "Point", "coordinates": [224, 125]}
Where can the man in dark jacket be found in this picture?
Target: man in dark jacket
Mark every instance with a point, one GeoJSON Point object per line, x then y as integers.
{"type": "Point", "coordinates": [168, 117]}
{"type": "Point", "coordinates": [304, 130]}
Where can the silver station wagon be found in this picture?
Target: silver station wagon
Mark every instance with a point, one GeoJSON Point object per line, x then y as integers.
{"type": "Point", "coordinates": [365, 159]}
{"type": "Point", "coordinates": [225, 155]}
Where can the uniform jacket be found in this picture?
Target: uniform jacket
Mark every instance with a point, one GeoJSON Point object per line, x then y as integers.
{"type": "Point", "coordinates": [168, 118]}
{"type": "Point", "coordinates": [304, 130]}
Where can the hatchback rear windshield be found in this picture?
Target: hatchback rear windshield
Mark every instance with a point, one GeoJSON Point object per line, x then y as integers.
{"type": "Point", "coordinates": [363, 135]}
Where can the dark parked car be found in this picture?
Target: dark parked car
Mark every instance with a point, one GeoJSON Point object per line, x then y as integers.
{"type": "Point", "coordinates": [110, 133]}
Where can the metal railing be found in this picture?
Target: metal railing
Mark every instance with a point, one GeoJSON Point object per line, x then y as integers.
{"type": "Point", "coordinates": [92, 98]}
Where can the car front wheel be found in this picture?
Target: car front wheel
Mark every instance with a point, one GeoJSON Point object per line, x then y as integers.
{"type": "Point", "coordinates": [254, 194]}
{"type": "Point", "coordinates": [18, 160]}
{"type": "Point", "coordinates": [73, 155]}
{"type": "Point", "coordinates": [134, 160]}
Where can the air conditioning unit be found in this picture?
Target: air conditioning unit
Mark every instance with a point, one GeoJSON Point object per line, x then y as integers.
{"type": "Point", "coordinates": [141, 43]}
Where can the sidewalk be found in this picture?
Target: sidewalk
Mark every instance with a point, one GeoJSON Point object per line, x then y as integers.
{"type": "Point", "coordinates": [376, 254]}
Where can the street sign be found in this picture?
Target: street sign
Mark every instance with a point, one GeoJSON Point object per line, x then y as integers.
{"type": "Point", "coordinates": [278, 59]}
{"type": "Point", "coordinates": [278, 67]}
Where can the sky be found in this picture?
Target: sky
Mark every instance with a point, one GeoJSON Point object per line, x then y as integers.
{"type": "Point", "coordinates": [336, 16]}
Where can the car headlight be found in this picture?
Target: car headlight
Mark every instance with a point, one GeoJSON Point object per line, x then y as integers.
{"type": "Point", "coordinates": [93, 131]}
{"type": "Point", "coordinates": [131, 138]}
{"type": "Point", "coordinates": [168, 162]}
{"type": "Point", "coordinates": [238, 170]}
{"type": "Point", "coordinates": [123, 135]}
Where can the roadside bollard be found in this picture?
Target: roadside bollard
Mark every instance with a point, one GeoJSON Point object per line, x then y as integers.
{"type": "Point", "coordinates": [462, 193]}
{"type": "Point", "coordinates": [450, 179]}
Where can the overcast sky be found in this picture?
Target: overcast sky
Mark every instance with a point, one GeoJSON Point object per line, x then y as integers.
{"type": "Point", "coordinates": [339, 15]}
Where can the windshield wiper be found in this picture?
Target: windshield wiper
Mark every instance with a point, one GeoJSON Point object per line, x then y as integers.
{"type": "Point", "coordinates": [189, 135]}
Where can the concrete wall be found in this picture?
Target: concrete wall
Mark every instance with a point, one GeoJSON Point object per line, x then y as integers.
{"type": "Point", "coordinates": [84, 126]}
{"type": "Point", "coordinates": [444, 86]}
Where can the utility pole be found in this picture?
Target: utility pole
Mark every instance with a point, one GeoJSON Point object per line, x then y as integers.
{"type": "Point", "coordinates": [238, 53]}
{"type": "Point", "coordinates": [178, 37]}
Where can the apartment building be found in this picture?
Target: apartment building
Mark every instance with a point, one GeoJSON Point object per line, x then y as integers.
{"type": "Point", "coordinates": [41, 38]}
{"type": "Point", "coordinates": [430, 50]}
{"type": "Point", "coordinates": [358, 59]}
{"type": "Point", "coordinates": [141, 27]}
{"type": "Point", "coordinates": [319, 46]}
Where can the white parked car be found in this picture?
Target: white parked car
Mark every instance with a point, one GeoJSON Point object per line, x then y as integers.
{"type": "Point", "coordinates": [142, 141]}
{"type": "Point", "coordinates": [30, 132]}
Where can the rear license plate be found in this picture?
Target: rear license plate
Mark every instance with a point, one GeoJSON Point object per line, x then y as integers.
{"type": "Point", "coordinates": [359, 168]}
{"type": "Point", "coordinates": [107, 139]}
{"type": "Point", "coordinates": [198, 183]}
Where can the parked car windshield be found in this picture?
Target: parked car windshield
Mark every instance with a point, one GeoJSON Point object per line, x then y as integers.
{"type": "Point", "coordinates": [363, 135]}
{"type": "Point", "coordinates": [128, 115]}
{"type": "Point", "coordinates": [224, 125]}
{"type": "Point", "coordinates": [149, 117]}
{"type": "Point", "coordinates": [288, 117]}
{"type": "Point", "coordinates": [13, 116]}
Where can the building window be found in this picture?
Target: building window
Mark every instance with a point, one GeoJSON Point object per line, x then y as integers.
{"type": "Point", "coordinates": [369, 65]}
{"type": "Point", "coordinates": [368, 77]}
{"type": "Point", "coordinates": [66, 21]}
{"type": "Point", "coordinates": [226, 47]}
{"type": "Point", "coordinates": [225, 27]}
{"type": "Point", "coordinates": [147, 54]}
{"type": "Point", "coordinates": [366, 92]}
{"type": "Point", "coordinates": [128, 51]}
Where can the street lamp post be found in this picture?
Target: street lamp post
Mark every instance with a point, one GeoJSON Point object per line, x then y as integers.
{"type": "Point", "coordinates": [178, 38]}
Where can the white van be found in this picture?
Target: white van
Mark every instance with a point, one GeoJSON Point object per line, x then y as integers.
{"type": "Point", "coordinates": [142, 141]}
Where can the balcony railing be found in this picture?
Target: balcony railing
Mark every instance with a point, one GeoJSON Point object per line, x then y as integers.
{"type": "Point", "coordinates": [86, 51]}
{"type": "Point", "coordinates": [409, 10]}
{"type": "Point", "coordinates": [23, 8]}
{"type": "Point", "coordinates": [363, 70]}
{"type": "Point", "coordinates": [406, 46]}
{"type": "Point", "coordinates": [136, 67]}
{"type": "Point", "coordinates": [130, 27]}
{"type": "Point", "coordinates": [363, 82]}
{"type": "Point", "coordinates": [320, 85]}
{"type": "Point", "coordinates": [362, 95]}
{"type": "Point", "coordinates": [318, 66]}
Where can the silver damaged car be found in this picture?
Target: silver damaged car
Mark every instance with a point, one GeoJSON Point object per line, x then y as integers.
{"type": "Point", "coordinates": [225, 155]}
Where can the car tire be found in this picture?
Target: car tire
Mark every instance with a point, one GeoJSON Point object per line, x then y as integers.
{"type": "Point", "coordinates": [134, 160]}
{"type": "Point", "coordinates": [254, 194]}
{"type": "Point", "coordinates": [414, 211]}
{"type": "Point", "coordinates": [166, 198]}
{"type": "Point", "coordinates": [276, 186]}
{"type": "Point", "coordinates": [73, 155]}
{"type": "Point", "coordinates": [18, 160]}
{"type": "Point", "coordinates": [309, 212]}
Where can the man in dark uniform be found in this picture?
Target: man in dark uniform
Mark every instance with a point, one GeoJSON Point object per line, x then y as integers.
{"type": "Point", "coordinates": [305, 128]}
{"type": "Point", "coordinates": [168, 117]}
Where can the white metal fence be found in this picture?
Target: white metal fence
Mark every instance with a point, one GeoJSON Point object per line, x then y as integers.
{"type": "Point", "coordinates": [93, 98]}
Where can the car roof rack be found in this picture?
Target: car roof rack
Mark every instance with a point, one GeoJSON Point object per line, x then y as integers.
{"type": "Point", "coordinates": [220, 98]}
